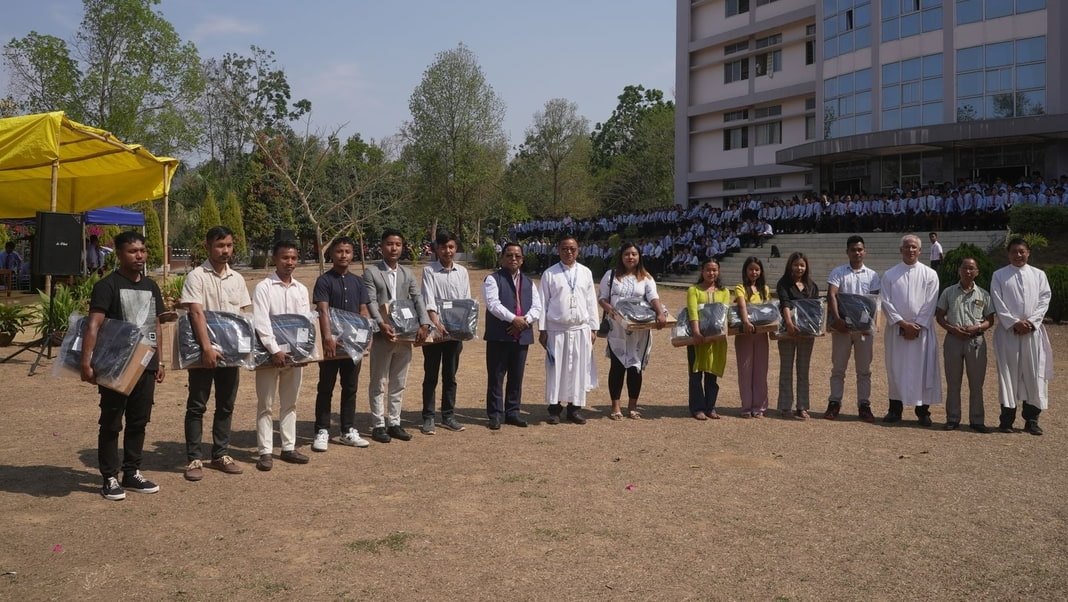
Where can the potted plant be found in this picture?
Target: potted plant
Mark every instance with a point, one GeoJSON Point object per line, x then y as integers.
{"type": "Point", "coordinates": [53, 314]}
{"type": "Point", "coordinates": [172, 292]}
{"type": "Point", "coordinates": [13, 320]}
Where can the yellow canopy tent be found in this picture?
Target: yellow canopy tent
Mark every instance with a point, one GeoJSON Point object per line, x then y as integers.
{"type": "Point", "coordinates": [50, 163]}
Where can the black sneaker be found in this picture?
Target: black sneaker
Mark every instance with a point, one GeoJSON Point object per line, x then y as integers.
{"type": "Point", "coordinates": [865, 414]}
{"type": "Point", "coordinates": [396, 432]}
{"type": "Point", "coordinates": [112, 490]}
{"type": "Point", "coordinates": [137, 483]}
{"type": "Point", "coordinates": [833, 408]}
{"type": "Point", "coordinates": [574, 414]}
{"type": "Point", "coordinates": [1031, 426]}
{"type": "Point", "coordinates": [380, 435]}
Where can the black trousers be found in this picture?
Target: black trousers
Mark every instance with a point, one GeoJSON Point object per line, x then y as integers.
{"type": "Point", "coordinates": [616, 372]}
{"type": "Point", "coordinates": [350, 378]}
{"type": "Point", "coordinates": [446, 358]}
{"type": "Point", "coordinates": [137, 409]}
{"type": "Point", "coordinates": [504, 359]}
{"type": "Point", "coordinates": [226, 381]}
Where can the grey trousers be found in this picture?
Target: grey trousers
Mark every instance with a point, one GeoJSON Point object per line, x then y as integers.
{"type": "Point", "coordinates": [788, 350]}
{"type": "Point", "coordinates": [960, 356]}
{"type": "Point", "coordinates": [389, 376]}
{"type": "Point", "coordinates": [842, 344]}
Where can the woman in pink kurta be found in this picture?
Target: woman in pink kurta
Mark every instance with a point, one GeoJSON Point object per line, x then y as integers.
{"type": "Point", "coordinates": [751, 348]}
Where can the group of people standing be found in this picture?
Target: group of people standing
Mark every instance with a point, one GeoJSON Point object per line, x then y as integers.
{"type": "Point", "coordinates": [564, 304]}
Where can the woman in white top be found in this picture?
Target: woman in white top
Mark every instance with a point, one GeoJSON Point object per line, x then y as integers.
{"type": "Point", "coordinates": [628, 352]}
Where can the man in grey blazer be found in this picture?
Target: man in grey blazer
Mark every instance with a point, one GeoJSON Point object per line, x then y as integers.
{"type": "Point", "coordinates": [387, 281]}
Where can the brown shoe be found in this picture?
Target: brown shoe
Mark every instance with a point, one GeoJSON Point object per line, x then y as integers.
{"type": "Point", "coordinates": [195, 471]}
{"type": "Point", "coordinates": [265, 463]}
{"type": "Point", "coordinates": [226, 464]}
{"type": "Point", "coordinates": [294, 457]}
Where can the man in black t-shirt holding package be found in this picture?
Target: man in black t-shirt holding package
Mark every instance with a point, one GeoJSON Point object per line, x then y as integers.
{"type": "Point", "coordinates": [125, 294]}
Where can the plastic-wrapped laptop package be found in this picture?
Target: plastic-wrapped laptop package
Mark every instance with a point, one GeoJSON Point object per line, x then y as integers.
{"type": "Point", "coordinates": [635, 313]}
{"type": "Point", "coordinates": [295, 336]}
{"type": "Point", "coordinates": [404, 317]}
{"type": "Point", "coordinates": [118, 358]}
{"type": "Point", "coordinates": [231, 334]}
{"type": "Point", "coordinates": [352, 332]}
{"type": "Point", "coordinates": [765, 316]}
{"type": "Point", "coordinates": [460, 318]}
{"type": "Point", "coordinates": [711, 318]}
{"type": "Point", "coordinates": [810, 316]}
{"type": "Point", "coordinates": [859, 312]}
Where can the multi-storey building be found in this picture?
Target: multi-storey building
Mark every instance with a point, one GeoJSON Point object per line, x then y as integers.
{"type": "Point", "coordinates": [779, 97]}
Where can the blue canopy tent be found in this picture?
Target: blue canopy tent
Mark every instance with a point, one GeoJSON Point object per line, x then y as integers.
{"type": "Point", "coordinates": [115, 216]}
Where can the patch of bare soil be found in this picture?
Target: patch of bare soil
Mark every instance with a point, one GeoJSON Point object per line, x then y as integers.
{"type": "Point", "coordinates": [665, 508]}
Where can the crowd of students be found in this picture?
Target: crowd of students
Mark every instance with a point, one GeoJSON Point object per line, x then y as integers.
{"type": "Point", "coordinates": [564, 305]}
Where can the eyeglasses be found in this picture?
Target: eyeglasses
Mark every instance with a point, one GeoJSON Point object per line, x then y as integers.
{"type": "Point", "coordinates": [514, 255]}
{"type": "Point", "coordinates": [569, 249]}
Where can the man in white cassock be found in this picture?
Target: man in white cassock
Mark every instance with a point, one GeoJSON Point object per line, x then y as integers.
{"type": "Point", "coordinates": [568, 328]}
{"type": "Point", "coordinates": [909, 296]}
{"type": "Point", "coordinates": [1021, 296]}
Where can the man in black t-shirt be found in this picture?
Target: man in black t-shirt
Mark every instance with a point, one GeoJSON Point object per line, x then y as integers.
{"type": "Point", "coordinates": [125, 294]}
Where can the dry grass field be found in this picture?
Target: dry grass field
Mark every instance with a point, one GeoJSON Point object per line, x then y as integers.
{"type": "Point", "coordinates": [665, 508]}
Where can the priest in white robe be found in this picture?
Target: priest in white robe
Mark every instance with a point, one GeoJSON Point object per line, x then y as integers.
{"type": "Point", "coordinates": [568, 328]}
{"type": "Point", "coordinates": [1021, 296]}
{"type": "Point", "coordinates": [909, 297]}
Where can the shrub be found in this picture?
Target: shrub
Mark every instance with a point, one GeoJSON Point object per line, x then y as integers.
{"type": "Point", "coordinates": [530, 262]}
{"type": "Point", "coordinates": [1058, 284]}
{"type": "Point", "coordinates": [1048, 221]}
{"type": "Point", "coordinates": [598, 266]}
{"type": "Point", "coordinates": [947, 272]}
{"type": "Point", "coordinates": [486, 255]}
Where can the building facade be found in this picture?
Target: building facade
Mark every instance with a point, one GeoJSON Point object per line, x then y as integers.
{"type": "Point", "coordinates": [781, 97]}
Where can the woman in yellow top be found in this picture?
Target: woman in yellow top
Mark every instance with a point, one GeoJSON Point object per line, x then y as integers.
{"type": "Point", "coordinates": [750, 348]}
{"type": "Point", "coordinates": [706, 358]}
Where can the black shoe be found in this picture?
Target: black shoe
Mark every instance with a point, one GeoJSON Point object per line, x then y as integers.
{"type": "Point", "coordinates": [891, 418]}
{"type": "Point", "coordinates": [924, 420]}
{"type": "Point", "coordinates": [397, 432]}
{"type": "Point", "coordinates": [832, 410]}
{"type": "Point", "coordinates": [979, 428]}
{"type": "Point", "coordinates": [293, 457]}
{"type": "Point", "coordinates": [515, 421]}
{"type": "Point", "coordinates": [452, 424]}
{"type": "Point", "coordinates": [495, 424]}
{"type": "Point", "coordinates": [951, 426]}
{"type": "Point", "coordinates": [1031, 426]}
{"type": "Point", "coordinates": [554, 413]}
{"type": "Point", "coordinates": [864, 413]}
{"type": "Point", "coordinates": [112, 490]}
{"type": "Point", "coordinates": [379, 434]}
{"type": "Point", "coordinates": [574, 414]}
{"type": "Point", "coordinates": [136, 482]}
{"type": "Point", "coordinates": [894, 413]}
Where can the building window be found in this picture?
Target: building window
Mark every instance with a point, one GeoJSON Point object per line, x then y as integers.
{"type": "Point", "coordinates": [767, 182]}
{"type": "Point", "coordinates": [808, 179]}
{"type": "Point", "coordinates": [972, 11]}
{"type": "Point", "coordinates": [736, 47]}
{"type": "Point", "coordinates": [739, 115]}
{"type": "Point", "coordinates": [912, 92]}
{"type": "Point", "coordinates": [1006, 79]}
{"type": "Point", "coordinates": [738, 184]}
{"type": "Point", "coordinates": [763, 2]}
{"type": "Point", "coordinates": [767, 63]}
{"type": "Point", "coordinates": [769, 41]}
{"type": "Point", "coordinates": [810, 104]}
{"type": "Point", "coordinates": [847, 104]}
{"type": "Point", "coordinates": [810, 127]}
{"type": "Point", "coordinates": [846, 26]}
{"type": "Point", "coordinates": [735, 71]}
{"type": "Point", "coordinates": [737, 7]}
{"type": "Point", "coordinates": [910, 17]}
{"type": "Point", "coordinates": [769, 133]}
{"type": "Point", "coordinates": [735, 138]}
{"type": "Point", "coordinates": [765, 112]}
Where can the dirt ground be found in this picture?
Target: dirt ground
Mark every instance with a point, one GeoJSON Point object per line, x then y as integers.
{"type": "Point", "coordinates": [665, 508]}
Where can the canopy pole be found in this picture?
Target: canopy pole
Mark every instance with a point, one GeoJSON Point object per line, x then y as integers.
{"type": "Point", "coordinates": [166, 221]}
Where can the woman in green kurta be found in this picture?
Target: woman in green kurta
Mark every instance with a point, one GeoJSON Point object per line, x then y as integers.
{"type": "Point", "coordinates": [707, 357]}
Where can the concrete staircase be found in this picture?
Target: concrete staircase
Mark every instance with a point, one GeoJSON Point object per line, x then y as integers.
{"type": "Point", "coordinates": [827, 251]}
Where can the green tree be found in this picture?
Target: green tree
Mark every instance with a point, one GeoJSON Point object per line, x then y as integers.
{"type": "Point", "coordinates": [208, 219]}
{"type": "Point", "coordinates": [557, 135]}
{"type": "Point", "coordinates": [133, 75]}
{"type": "Point", "coordinates": [456, 141]}
{"type": "Point", "coordinates": [231, 218]}
{"type": "Point", "coordinates": [153, 235]}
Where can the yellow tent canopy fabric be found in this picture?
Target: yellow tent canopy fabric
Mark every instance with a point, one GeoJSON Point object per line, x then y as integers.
{"type": "Point", "coordinates": [92, 169]}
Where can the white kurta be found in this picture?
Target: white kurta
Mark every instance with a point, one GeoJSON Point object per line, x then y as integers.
{"type": "Point", "coordinates": [630, 348]}
{"type": "Point", "coordinates": [1025, 363]}
{"type": "Point", "coordinates": [913, 373]}
{"type": "Point", "coordinates": [569, 300]}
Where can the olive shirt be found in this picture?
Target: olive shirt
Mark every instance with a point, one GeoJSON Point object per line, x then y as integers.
{"type": "Point", "coordinates": [708, 357]}
{"type": "Point", "coordinates": [965, 309]}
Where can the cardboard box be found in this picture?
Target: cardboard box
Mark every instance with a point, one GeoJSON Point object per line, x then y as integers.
{"type": "Point", "coordinates": [140, 359]}
{"type": "Point", "coordinates": [635, 326]}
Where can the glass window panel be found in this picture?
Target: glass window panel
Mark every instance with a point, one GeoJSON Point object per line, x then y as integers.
{"type": "Point", "coordinates": [830, 48]}
{"type": "Point", "coordinates": [1031, 76]}
{"type": "Point", "coordinates": [910, 93]}
{"type": "Point", "coordinates": [891, 119]}
{"type": "Point", "coordinates": [997, 8]}
{"type": "Point", "coordinates": [930, 3]}
{"type": "Point", "coordinates": [862, 38]}
{"type": "Point", "coordinates": [1032, 102]}
{"type": "Point", "coordinates": [830, 108]}
{"type": "Point", "coordinates": [891, 96]}
{"type": "Point", "coordinates": [1026, 6]}
{"type": "Point", "coordinates": [830, 28]}
{"type": "Point", "coordinates": [845, 105]}
{"type": "Point", "coordinates": [970, 84]}
{"type": "Point", "coordinates": [969, 11]}
{"type": "Point", "coordinates": [998, 106]}
{"type": "Point", "coordinates": [845, 43]}
{"type": "Point", "coordinates": [845, 126]}
{"type": "Point", "coordinates": [1006, 78]}
{"type": "Point", "coordinates": [862, 16]}
{"type": "Point", "coordinates": [863, 102]}
{"type": "Point", "coordinates": [830, 6]}
{"type": "Point", "coordinates": [910, 70]}
{"type": "Point", "coordinates": [998, 55]}
{"type": "Point", "coordinates": [995, 82]}
{"type": "Point", "coordinates": [845, 4]}
{"type": "Point", "coordinates": [1031, 49]}
{"type": "Point", "coordinates": [862, 124]}
{"type": "Point", "coordinates": [910, 25]}
{"type": "Point", "coordinates": [909, 6]}
{"type": "Point", "coordinates": [862, 79]}
{"type": "Point", "coordinates": [932, 65]}
{"type": "Point", "coordinates": [932, 19]}
{"type": "Point", "coordinates": [932, 113]}
{"type": "Point", "coordinates": [910, 116]}
{"type": "Point", "coordinates": [969, 59]}
{"type": "Point", "coordinates": [891, 73]}
{"type": "Point", "coordinates": [845, 83]}
{"type": "Point", "coordinates": [932, 89]}
{"type": "Point", "coordinates": [830, 87]}
{"type": "Point", "coordinates": [969, 109]}
{"type": "Point", "coordinates": [890, 9]}
{"type": "Point", "coordinates": [889, 29]}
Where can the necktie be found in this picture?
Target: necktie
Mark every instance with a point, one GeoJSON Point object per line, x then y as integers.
{"type": "Point", "coordinates": [518, 299]}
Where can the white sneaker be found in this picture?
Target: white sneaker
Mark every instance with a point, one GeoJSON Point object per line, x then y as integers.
{"type": "Point", "coordinates": [322, 440]}
{"type": "Point", "coordinates": [353, 438]}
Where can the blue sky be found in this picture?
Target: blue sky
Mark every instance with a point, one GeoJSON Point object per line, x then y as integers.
{"type": "Point", "coordinates": [358, 61]}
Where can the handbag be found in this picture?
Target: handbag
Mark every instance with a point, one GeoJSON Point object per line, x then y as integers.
{"type": "Point", "coordinates": [606, 323]}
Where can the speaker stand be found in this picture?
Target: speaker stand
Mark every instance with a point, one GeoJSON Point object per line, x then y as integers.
{"type": "Point", "coordinates": [45, 342]}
